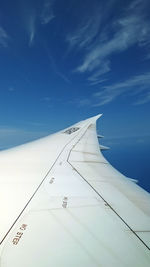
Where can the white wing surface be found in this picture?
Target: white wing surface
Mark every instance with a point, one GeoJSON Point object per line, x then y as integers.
{"type": "Point", "coordinates": [63, 205]}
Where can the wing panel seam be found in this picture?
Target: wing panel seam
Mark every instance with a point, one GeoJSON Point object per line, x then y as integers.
{"type": "Point", "coordinates": [40, 185]}
{"type": "Point", "coordinates": [102, 197]}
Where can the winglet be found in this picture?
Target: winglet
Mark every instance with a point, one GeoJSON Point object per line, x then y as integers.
{"type": "Point", "coordinates": [133, 180]}
{"type": "Point", "coordinates": [104, 147]}
{"type": "Point", "coordinates": [94, 118]}
{"type": "Point", "coordinates": [98, 116]}
{"type": "Point", "coordinates": [100, 136]}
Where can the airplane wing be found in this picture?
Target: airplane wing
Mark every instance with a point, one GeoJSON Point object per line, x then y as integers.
{"type": "Point", "coordinates": [63, 205]}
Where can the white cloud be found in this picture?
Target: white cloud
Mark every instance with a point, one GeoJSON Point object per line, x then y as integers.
{"type": "Point", "coordinates": [143, 99]}
{"type": "Point", "coordinates": [46, 98]}
{"type": "Point", "coordinates": [98, 81]}
{"type": "Point", "coordinates": [135, 4]}
{"type": "Point", "coordinates": [104, 99]}
{"type": "Point", "coordinates": [11, 89]}
{"type": "Point", "coordinates": [147, 56]}
{"type": "Point", "coordinates": [84, 102]}
{"type": "Point", "coordinates": [103, 68]}
{"type": "Point", "coordinates": [31, 28]}
{"type": "Point", "coordinates": [4, 38]}
{"type": "Point", "coordinates": [98, 40]}
{"type": "Point", "coordinates": [138, 86]}
{"type": "Point", "coordinates": [140, 141]}
{"type": "Point", "coordinates": [47, 12]}
{"type": "Point", "coordinates": [33, 17]}
{"type": "Point", "coordinates": [54, 65]}
{"type": "Point", "coordinates": [85, 32]}
{"type": "Point", "coordinates": [29, 17]}
{"type": "Point", "coordinates": [129, 31]}
{"type": "Point", "coordinates": [89, 24]}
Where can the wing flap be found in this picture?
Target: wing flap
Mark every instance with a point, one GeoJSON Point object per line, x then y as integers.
{"type": "Point", "coordinates": [124, 196]}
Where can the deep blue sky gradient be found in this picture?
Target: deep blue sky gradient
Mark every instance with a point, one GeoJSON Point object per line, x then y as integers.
{"type": "Point", "coordinates": [64, 61]}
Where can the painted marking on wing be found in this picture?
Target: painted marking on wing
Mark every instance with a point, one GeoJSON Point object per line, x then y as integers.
{"type": "Point", "coordinates": [71, 130]}
{"type": "Point", "coordinates": [51, 180]}
{"type": "Point", "coordinates": [65, 202]}
{"type": "Point", "coordinates": [19, 234]}
{"type": "Point", "coordinates": [42, 183]}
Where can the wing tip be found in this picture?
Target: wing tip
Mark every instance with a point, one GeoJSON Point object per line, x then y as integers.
{"type": "Point", "coordinates": [95, 118]}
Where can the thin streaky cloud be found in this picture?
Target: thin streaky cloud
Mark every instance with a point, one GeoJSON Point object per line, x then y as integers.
{"type": "Point", "coordinates": [83, 36]}
{"type": "Point", "coordinates": [105, 99]}
{"type": "Point", "coordinates": [81, 102]}
{"type": "Point", "coordinates": [7, 131]}
{"type": "Point", "coordinates": [129, 29]}
{"type": "Point", "coordinates": [89, 27]}
{"type": "Point", "coordinates": [29, 18]}
{"type": "Point", "coordinates": [135, 4]}
{"type": "Point", "coordinates": [147, 56]}
{"type": "Point", "coordinates": [36, 124]}
{"type": "Point", "coordinates": [47, 13]}
{"type": "Point", "coordinates": [132, 30]}
{"type": "Point", "coordinates": [32, 28]}
{"type": "Point", "coordinates": [33, 18]}
{"type": "Point", "coordinates": [143, 100]}
{"type": "Point", "coordinates": [4, 38]}
{"type": "Point", "coordinates": [11, 89]}
{"type": "Point", "coordinates": [46, 98]}
{"type": "Point", "coordinates": [17, 136]}
{"type": "Point", "coordinates": [98, 82]}
{"type": "Point", "coordinates": [104, 68]}
{"type": "Point", "coordinates": [84, 102]}
{"type": "Point", "coordinates": [138, 86]}
{"type": "Point", "coordinates": [54, 66]}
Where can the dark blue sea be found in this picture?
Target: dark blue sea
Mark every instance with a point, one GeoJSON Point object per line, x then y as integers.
{"type": "Point", "coordinates": [132, 158]}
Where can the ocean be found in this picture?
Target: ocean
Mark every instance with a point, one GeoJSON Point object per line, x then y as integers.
{"type": "Point", "coordinates": [132, 158]}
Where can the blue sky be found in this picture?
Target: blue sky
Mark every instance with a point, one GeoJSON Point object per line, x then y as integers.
{"type": "Point", "coordinates": [64, 61]}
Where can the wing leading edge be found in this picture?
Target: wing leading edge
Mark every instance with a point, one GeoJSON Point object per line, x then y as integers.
{"type": "Point", "coordinates": [63, 204]}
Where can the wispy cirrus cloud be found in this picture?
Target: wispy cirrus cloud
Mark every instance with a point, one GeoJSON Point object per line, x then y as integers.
{"type": "Point", "coordinates": [99, 38]}
{"type": "Point", "coordinates": [4, 38]}
{"type": "Point", "coordinates": [148, 56]}
{"type": "Point", "coordinates": [54, 65]}
{"type": "Point", "coordinates": [32, 28]}
{"type": "Point", "coordinates": [47, 99]}
{"type": "Point", "coordinates": [34, 16]}
{"type": "Point", "coordinates": [47, 13]}
{"type": "Point", "coordinates": [11, 89]}
{"type": "Point", "coordinates": [138, 87]}
{"type": "Point", "coordinates": [95, 77]}
{"type": "Point", "coordinates": [144, 99]}
{"type": "Point", "coordinates": [87, 30]}
{"type": "Point", "coordinates": [83, 102]}
{"type": "Point", "coordinates": [29, 18]}
{"type": "Point", "coordinates": [131, 30]}
{"type": "Point", "coordinates": [89, 26]}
